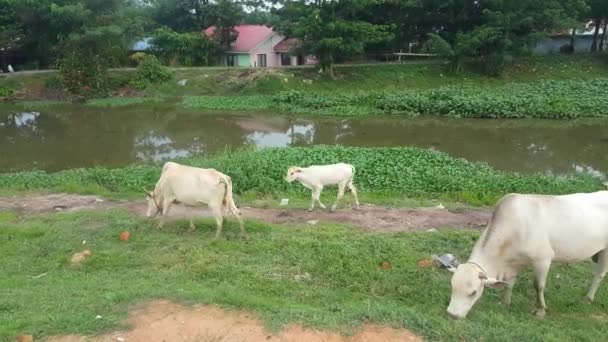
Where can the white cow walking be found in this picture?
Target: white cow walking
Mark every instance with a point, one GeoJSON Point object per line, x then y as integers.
{"type": "Point", "coordinates": [317, 177]}
{"type": "Point", "coordinates": [536, 230]}
{"type": "Point", "coordinates": [194, 187]}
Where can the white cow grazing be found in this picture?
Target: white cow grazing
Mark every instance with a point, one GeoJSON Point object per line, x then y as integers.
{"type": "Point", "coordinates": [194, 187]}
{"type": "Point", "coordinates": [536, 230]}
{"type": "Point", "coordinates": [316, 177]}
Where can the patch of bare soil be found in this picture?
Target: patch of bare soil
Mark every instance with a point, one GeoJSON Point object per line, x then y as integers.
{"type": "Point", "coordinates": [165, 321]}
{"type": "Point", "coordinates": [369, 217]}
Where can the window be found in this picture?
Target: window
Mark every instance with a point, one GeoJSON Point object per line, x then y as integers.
{"type": "Point", "coordinates": [262, 60]}
{"type": "Point", "coordinates": [285, 59]}
{"type": "Point", "coordinates": [232, 60]}
{"type": "Point", "coordinates": [301, 60]}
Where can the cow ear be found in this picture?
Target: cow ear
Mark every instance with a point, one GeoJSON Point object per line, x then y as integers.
{"type": "Point", "coordinates": [491, 282]}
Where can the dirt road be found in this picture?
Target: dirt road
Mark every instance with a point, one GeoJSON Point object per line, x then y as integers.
{"type": "Point", "coordinates": [369, 217]}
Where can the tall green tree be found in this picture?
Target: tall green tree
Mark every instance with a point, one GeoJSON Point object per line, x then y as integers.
{"type": "Point", "coordinates": [11, 35]}
{"type": "Point", "coordinates": [329, 28]}
{"type": "Point", "coordinates": [598, 12]}
{"type": "Point", "coordinates": [225, 15]}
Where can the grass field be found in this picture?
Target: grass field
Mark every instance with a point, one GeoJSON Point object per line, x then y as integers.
{"type": "Point", "coordinates": [325, 276]}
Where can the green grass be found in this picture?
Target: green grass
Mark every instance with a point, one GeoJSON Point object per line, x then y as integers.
{"type": "Point", "coordinates": [396, 172]}
{"type": "Point", "coordinates": [345, 287]}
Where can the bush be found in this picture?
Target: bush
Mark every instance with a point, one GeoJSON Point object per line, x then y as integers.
{"type": "Point", "coordinates": [404, 171]}
{"type": "Point", "coordinates": [149, 72]}
{"type": "Point", "coordinates": [137, 57]}
{"type": "Point", "coordinates": [437, 45]}
{"type": "Point", "coordinates": [84, 74]}
{"type": "Point", "coordinates": [6, 91]}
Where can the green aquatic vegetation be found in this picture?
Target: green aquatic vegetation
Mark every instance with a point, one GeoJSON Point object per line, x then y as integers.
{"type": "Point", "coordinates": [406, 172]}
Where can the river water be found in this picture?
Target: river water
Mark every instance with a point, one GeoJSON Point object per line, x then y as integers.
{"type": "Point", "coordinates": [78, 136]}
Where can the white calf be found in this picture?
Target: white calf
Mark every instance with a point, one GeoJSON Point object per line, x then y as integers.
{"type": "Point", "coordinates": [316, 177]}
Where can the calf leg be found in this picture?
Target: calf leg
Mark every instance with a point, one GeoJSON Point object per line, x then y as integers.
{"type": "Point", "coordinates": [316, 195]}
{"type": "Point", "coordinates": [541, 269]}
{"type": "Point", "coordinates": [192, 226]}
{"type": "Point", "coordinates": [352, 188]}
{"type": "Point", "coordinates": [341, 187]}
{"type": "Point", "coordinates": [599, 271]}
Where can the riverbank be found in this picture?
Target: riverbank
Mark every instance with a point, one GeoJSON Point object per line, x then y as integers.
{"type": "Point", "coordinates": [382, 173]}
{"type": "Point", "coordinates": [555, 87]}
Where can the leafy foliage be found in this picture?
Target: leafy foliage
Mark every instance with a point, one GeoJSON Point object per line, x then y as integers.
{"type": "Point", "coordinates": [192, 49]}
{"type": "Point", "coordinates": [404, 171]}
{"type": "Point", "coordinates": [329, 29]}
{"type": "Point", "coordinates": [149, 72]}
{"type": "Point", "coordinates": [542, 99]}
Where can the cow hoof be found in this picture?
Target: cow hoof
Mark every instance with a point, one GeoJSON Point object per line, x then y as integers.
{"type": "Point", "coordinates": [310, 210]}
{"type": "Point", "coordinates": [245, 237]}
{"type": "Point", "coordinates": [588, 300]}
{"type": "Point", "coordinates": [540, 313]}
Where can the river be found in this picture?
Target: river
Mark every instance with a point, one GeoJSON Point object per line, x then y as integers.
{"type": "Point", "coordinates": [61, 137]}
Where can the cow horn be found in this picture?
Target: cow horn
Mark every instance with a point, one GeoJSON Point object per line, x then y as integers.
{"type": "Point", "coordinates": [147, 192]}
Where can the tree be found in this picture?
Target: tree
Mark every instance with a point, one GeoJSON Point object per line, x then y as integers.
{"type": "Point", "coordinates": [181, 15]}
{"type": "Point", "coordinates": [11, 36]}
{"type": "Point", "coordinates": [183, 48]}
{"type": "Point", "coordinates": [598, 11]}
{"type": "Point", "coordinates": [329, 28]}
{"type": "Point", "coordinates": [98, 37]}
{"type": "Point", "coordinates": [225, 15]}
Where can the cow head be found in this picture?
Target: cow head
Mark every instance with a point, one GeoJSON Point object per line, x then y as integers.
{"type": "Point", "coordinates": [153, 205]}
{"type": "Point", "coordinates": [292, 173]}
{"type": "Point", "coordinates": [468, 283]}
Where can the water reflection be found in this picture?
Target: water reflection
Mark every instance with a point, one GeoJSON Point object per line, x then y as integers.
{"type": "Point", "coordinates": [77, 136]}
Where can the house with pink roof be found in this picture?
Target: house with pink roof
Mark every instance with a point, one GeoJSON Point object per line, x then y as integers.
{"type": "Point", "coordinates": [260, 46]}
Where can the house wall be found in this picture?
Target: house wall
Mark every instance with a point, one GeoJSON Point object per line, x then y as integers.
{"type": "Point", "coordinates": [243, 59]}
{"type": "Point", "coordinates": [273, 59]}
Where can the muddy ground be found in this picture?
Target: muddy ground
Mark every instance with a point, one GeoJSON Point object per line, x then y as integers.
{"type": "Point", "coordinates": [165, 321]}
{"type": "Point", "coordinates": [369, 217]}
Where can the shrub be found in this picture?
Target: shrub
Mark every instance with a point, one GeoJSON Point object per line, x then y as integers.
{"type": "Point", "coordinates": [84, 74]}
{"type": "Point", "coordinates": [191, 48]}
{"type": "Point", "coordinates": [138, 57]}
{"type": "Point", "coordinates": [149, 72]}
{"type": "Point", "coordinates": [6, 91]}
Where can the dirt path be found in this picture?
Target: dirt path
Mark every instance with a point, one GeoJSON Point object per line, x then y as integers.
{"type": "Point", "coordinates": [369, 217]}
{"type": "Point", "coordinates": [165, 321]}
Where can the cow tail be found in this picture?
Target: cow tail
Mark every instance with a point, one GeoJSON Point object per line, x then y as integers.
{"type": "Point", "coordinates": [228, 201]}
{"type": "Point", "coordinates": [352, 167]}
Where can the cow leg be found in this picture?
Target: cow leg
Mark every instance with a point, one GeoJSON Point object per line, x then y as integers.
{"type": "Point", "coordinates": [599, 271]}
{"type": "Point", "coordinates": [506, 297]}
{"type": "Point", "coordinates": [341, 187]}
{"type": "Point", "coordinates": [192, 226]}
{"type": "Point", "coordinates": [237, 214]}
{"type": "Point", "coordinates": [166, 206]}
{"type": "Point", "coordinates": [352, 188]}
{"type": "Point", "coordinates": [219, 219]}
{"type": "Point", "coordinates": [541, 269]}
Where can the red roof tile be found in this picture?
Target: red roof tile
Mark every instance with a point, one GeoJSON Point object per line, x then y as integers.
{"type": "Point", "coordinates": [249, 36]}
